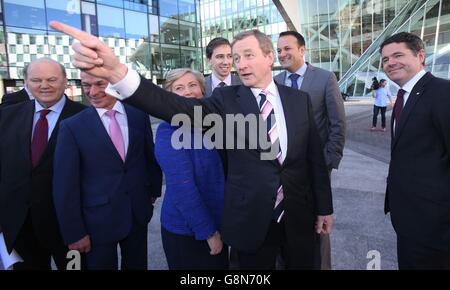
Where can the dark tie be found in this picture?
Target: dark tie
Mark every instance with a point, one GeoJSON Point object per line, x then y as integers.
{"type": "Point", "coordinates": [40, 138]}
{"type": "Point", "coordinates": [294, 78]}
{"type": "Point", "coordinates": [268, 115]}
{"type": "Point", "coordinates": [221, 84]}
{"type": "Point", "coordinates": [398, 107]}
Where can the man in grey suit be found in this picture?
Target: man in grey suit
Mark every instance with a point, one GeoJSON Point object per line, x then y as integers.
{"type": "Point", "coordinates": [328, 107]}
{"type": "Point", "coordinates": [218, 54]}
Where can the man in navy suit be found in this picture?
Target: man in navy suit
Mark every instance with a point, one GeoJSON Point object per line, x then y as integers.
{"type": "Point", "coordinates": [418, 184]}
{"type": "Point", "coordinates": [105, 186]}
{"type": "Point", "coordinates": [269, 205]}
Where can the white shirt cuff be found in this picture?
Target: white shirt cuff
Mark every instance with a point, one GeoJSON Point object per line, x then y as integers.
{"type": "Point", "coordinates": [125, 87]}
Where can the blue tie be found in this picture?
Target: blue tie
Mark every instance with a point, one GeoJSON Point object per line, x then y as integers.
{"type": "Point", "coordinates": [294, 78]}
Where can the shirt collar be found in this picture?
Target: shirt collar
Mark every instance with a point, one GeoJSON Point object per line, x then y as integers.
{"type": "Point", "coordinates": [215, 80]}
{"type": "Point", "coordinates": [412, 82]}
{"type": "Point", "coordinates": [57, 108]}
{"type": "Point", "coordinates": [271, 90]}
{"type": "Point", "coordinates": [301, 71]}
{"type": "Point", "coordinates": [118, 107]}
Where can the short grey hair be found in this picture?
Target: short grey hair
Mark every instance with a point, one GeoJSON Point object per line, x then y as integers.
{"type": "Point", "coordinates": [175, 74]}
{"type": "Point", "coordinates": [25, 68]}
{"type": "Point", "coordinates": [265, 43]}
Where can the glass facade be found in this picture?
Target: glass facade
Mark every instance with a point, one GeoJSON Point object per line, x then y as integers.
{"type": "Point", "coordinates": [225, 18]}
{"type": "Point", "coordinates": [343, 36]}
{"type": "Point", "coordinates": [150, 36]}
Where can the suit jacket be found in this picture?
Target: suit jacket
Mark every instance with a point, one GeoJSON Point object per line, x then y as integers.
{"type": "Point", "coordinates": [95, 192]}
{"type": "Point", "coordinates": [235, 80]}
{"type": "Point", "coordinates": [329, 112]}
{"type": "Point", "coordinates": [14, 98]}
{"type": "Point", "coordinates": [252, 183]}
{"type": "Point", "coordinates": [24, 189]}
{"type": "Point", "coordinates": [418, 185]}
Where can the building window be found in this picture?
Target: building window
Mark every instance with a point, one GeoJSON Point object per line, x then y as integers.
{"type": "Point", "coordinates": [136, 24]}
{"type": "Point", "coordinates": [66, 11]}
{"type": "Point", "coordinates": [88, 18]}
{"type": "Point", "coordinates": [16, 10]}
{"type": "Point", "coordinates": [110, 21]}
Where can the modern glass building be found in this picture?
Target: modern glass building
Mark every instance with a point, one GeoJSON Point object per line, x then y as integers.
{"type": "Point", "coordinates": [343, 36]}
{"type": "Point", "coordinates": [149, 35]}
{"type": "Point", "coordinates": [225, 18]}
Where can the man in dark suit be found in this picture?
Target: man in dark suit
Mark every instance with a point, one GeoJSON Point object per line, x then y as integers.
{"type": "Point", "coordinates": [418, 184]}
{"type": "Point", "coordinates": [283, 202]}
{"type": "Point", "coordinates": [19, 96]}
{"type": "Point", "coordinates": [28, 133]}
{"type": "Point", "coordinates": [14, 98]}
{"type": "Point", "coordinates": [328, 107]}
{"type": "Point", "coordinates": [106, 180]}
{"type": "Point", "coordinates": [218, 55]}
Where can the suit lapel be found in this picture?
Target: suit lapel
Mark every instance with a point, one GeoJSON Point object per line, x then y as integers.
{"type": "Point", "coordinates": [307, 78]}
{"type": "Point", "coordinates": [289, 115]}
{"type": "Point", "coordinates": [132, 131]}
{"type": "Point", "coordinates": [208, 84]}
{"type": "Point", "coordinates": [24, 137]}
{"type": "Point", "coordinates": [413, 97]}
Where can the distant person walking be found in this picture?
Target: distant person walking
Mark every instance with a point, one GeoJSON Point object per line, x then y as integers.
{"type": "Point", "coordinates": [381, 96]}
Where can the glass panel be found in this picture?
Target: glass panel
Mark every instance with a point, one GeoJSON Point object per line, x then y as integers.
{"type": "Point", "coordinates": [169, 30]}
{"type": "Point", "coordinates": [66, 11]}
{"type": "Point", "coordinates": [137, 5]}
{"type": "Point", "coordinates": [188, 35]}
{"type": "Point", "coordinates": [154, 28]}
{"type": "Point", "coordinates": [89, 18]}
{"type": "Point", "coordinates": [187, 10]}
{"type": "Point", "coordinates": [170, 57]}
{"type": "Point", "coordinates": [116, 3]}
{"type": "Point", "coordinates": [136, 24]}
{"type": "Point", "coordinates": [168, 8]}
{"type": "Point", "coordinates": [14, 11]}
{"type": "Point", "coordinates": [110, 20]}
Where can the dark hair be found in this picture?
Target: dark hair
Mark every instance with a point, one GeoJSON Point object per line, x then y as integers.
{"type": "Point", "coordinates": [412, 42]}
{"type": "Point", "coordinates": [375, 84]}
{"type": "Point", "coordinates": [300, 38]}
{"type": "Point", "coordinates": [218, 41]}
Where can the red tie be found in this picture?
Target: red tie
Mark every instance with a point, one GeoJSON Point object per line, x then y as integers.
{"type": "Point", "coordinates": [40, 138]}
{"type": "Point", "coordinates": [398, 107]}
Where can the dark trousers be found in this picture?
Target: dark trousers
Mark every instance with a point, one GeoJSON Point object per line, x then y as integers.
{"type": "Point", "coordinates": [186, 253]}
{"type": "Point", "coordinates": [377, 109]}
{"type": "Point", "coordinates": [414, 256]}
{"type": "Point", "coordinates": [275, 243]}
{"type": "Point", "coordinates": [133, 250]}
{"type": "Point", "coordinates": [35, 255]}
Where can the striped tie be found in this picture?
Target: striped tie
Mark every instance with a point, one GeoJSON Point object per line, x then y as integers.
{"type": "Point", "coordinates": [268, 115]}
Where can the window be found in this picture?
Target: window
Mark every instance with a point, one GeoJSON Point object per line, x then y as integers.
{"type": "Point", "coordinates": [14, 11]}
{"type": "Point", "coordinates": [66, 11]}
{"type": "Point", "coordinates": [110, 21]}
{"type": "Point", "coordinates": [136, 24]}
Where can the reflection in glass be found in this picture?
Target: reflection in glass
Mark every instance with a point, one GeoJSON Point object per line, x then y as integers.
{"type": "Point", "coordinates": [14, 11]}
{"type": "Point", "coordinates": [66, 11]}
{"type": "Point", "coordinates": [136, 24]}
{"type": "Point", "coordinates": [169, 31]}
{"type": "Point", "coordinates": [110, 21]}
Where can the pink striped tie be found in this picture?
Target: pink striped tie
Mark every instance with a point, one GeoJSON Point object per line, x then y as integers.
{"type": "Point", "coordinates": [116, 134]}
{"type": "Point", "coordinates": [268, 115]}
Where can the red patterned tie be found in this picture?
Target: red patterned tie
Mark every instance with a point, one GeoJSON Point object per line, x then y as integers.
{"type": "Point", "coordinates": [268, 115]}
{"type": "Point", "coordinates": [40, 138]}
{"type": "Point", "coordinates": [398, 107]}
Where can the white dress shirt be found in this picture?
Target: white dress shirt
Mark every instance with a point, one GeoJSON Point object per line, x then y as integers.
{"type": "Point", "coordinates": [273, 97]}
{"type": "Point", "coordinates": [52, 117]}
{"type": "Point", "coordinates": [121, 117]}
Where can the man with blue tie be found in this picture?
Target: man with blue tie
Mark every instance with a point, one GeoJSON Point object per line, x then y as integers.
{"type": "Point", "coordinates": [106, 180]}
{"type": "Point", "coordinates": [328, 107]}
{"type": "Point", "coordinates": [28, 134]}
